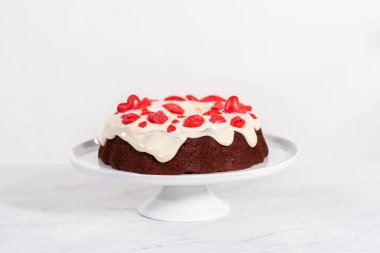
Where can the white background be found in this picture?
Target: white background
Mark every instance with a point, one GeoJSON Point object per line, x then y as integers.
{"type": "Point", "coordinates": [310, 68]}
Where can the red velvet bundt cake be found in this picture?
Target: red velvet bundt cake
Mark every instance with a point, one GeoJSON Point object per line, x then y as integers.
{"type": "Point", "coordinates": [182, 135]}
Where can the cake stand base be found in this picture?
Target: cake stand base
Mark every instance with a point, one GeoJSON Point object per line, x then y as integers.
{"type": "Point", "coordinates": [184, 198]}
{"type": "Point", "coordinates": [184, 204]}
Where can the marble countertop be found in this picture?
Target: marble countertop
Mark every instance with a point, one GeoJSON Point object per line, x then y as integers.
{"type": "Point", "coordinates": [317, 208]}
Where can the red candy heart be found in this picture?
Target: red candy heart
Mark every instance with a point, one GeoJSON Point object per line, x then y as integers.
{"type": "Point", "coordinates": [174, 98]}
{"type": "Point", "coordinates": [145, 102]}
{"type": "Point", "coordinates": [191, 98]}
{"type": "Point", "coordinates": [213, 98]}
{"type": "Point", "coordinates": [212, 112]}
{"type": "Point", "coordinates": [142, 124]}
{"type": "Point", "coordinates": [175, 121]}
{"type": "Point", "coordinates": [217, 106]}
{"type": "Point", "coordinates": [253, 116]}
{"type": "Point", "coordinates": [233, 105]}
{"type": "Point", "coordinates": [245, 107]}
{"type": "Point", "coordinates": [157, 117]}
{"type": "Point", "coordinates": [237, 122]}
{"type": "Point", "coordinates": [129, 118]}
{"type": "Point", "coordinates": [123, 107]}
{"type": "Point", "coordinates": [217, 119]}
{"type": "Point", "coordinates": [144, 111]}
{"type": "Point", "coordinates": [173, 108]}
{"type": "Point", "coordinates": [171, 128]}
{"type": "Point", "coordinates": [194, 121]}
{"type": "Point", "coordinates": [133, 102]}
{"type": "Point", "coordinates": [248, 108]}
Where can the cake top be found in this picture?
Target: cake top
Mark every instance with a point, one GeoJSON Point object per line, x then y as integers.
{"type": "Point", "coordinates": [161, 127]}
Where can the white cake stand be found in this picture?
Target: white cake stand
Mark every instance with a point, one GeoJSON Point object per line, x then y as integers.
{"type": "Point", "coordinates": [184, 198]}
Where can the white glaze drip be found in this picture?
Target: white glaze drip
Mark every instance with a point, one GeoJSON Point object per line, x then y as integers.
{"type": "Point", "coordinates": [155, 140]}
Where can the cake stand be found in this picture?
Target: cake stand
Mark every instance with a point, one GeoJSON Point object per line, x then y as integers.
{"type": "Point", "coordinates": [184, 198]}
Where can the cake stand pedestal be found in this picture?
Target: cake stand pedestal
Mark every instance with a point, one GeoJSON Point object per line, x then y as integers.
{"type": "Point", "coordinates": [184, 203]}
{"type": "Point", "coordinates": [184, 198]}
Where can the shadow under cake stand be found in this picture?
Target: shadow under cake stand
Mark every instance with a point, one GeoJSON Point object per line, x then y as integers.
{"type": "Point", "coordinates": [184, 198]}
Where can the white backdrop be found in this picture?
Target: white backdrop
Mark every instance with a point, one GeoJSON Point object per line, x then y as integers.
{"type": "Point", "coordinates": [310, 68]}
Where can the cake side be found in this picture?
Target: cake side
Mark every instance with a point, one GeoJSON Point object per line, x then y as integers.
{"type": "Point", "coordinates": [196, 155]}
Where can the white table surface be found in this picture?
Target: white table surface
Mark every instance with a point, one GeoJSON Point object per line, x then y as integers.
{"type": "Point", "coordinates": [317, 208]}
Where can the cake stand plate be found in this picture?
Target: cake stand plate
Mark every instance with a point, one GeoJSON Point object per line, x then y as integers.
{"type": "Point", "coordinates": [184, 198]}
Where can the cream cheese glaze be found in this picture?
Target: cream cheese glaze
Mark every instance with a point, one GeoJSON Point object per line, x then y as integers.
{"type": "Point", "coordinates": [155, 140]}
